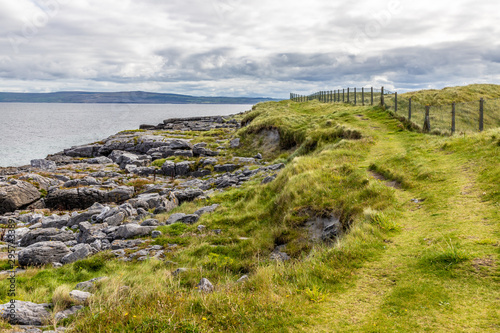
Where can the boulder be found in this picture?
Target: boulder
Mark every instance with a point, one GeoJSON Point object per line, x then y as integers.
{"type": "Point", "coordinates": [89, 285]}
{"type": "Point", "coordinates": [80, 251]}
{"type": "Point", "coordinates": [83, 151]}
{"type": "Point", "coordinates": [234, 143]}
{"type": "Point", "coordinates": [25, 313]}
{"type": "Point", "coordinates": [187, 195]}
{"type": "Point", "coordinates": [205, 286]}
{"type": "Point", "coordinates": [68, 312]}
{"type": "Point", "coordinates": [90, 233]}
{"type": "Point", "coordinates": [16, 194]}
{"type": "Point", "coordinates": [41, 182]}
{"type": "Point", "coordinates": [184, 218]}
{"type": "Point", "coordinates": [44, 164]}
{"type": "Point", "coordinates": [225, 168]}
{"type": "Point", "coordinates": [42, 253]}
{"type": "Point", "coordinates": [206, 209]}
{"type": "Point", "coordinates": [84, 197]}
{"type": "Point", "coordinates": [15, 236]}
{"type": "Point", "coordinates": [150, 223]}
{"type": "Point", "coordinates": [47, 234]}
{"type": "Point", "coordinates": [168, 168]}
{"type": "Point", "coordinates": [79, 296]}
{"type": "Point", "coordinates": [55, 221]}
{"type": "Point", "coordinates": [99, 160]}
{"type": "Point", "coordinates": [180, 144]}
{"type": "Point", "coordinates": [183, 168]}
{"type": "Point", "coordinates": [115, 220]}
{"type": "Point", "coordinates": [132, 230]}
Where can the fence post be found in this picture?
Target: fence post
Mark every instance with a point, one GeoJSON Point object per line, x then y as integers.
{"type": "Point", "coordinates": [355, 100]}
{"type": "Point", "coordinates": [427, 121]}
{"type": "Point", "coordinates": [396, 102]}
{"type": "Point", "coordinates": [409, 109]}
{"type": "Point", "coordinates": [343, 95]}
{"type": "Point", "coordinates": [453, 118]}
{"type": "Point", "coordinates": [481, 114]}
{"type": "Point", "coordinates": [363, 95]}
{"type": "Point", "coordinates": [348, 94]}
{"type": "Point", "coordinates": [372, 96]}
{"type": "Point", "coordinates": [382, 97]}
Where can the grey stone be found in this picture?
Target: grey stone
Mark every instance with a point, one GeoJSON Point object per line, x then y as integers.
{"type": "Point", "coordinates": [244, 278]}
{"type": "Point", "coordinates": [244, 160]}
{"type": "Point", "coordinates": [82, 198]}
{"type": "Point", "coordinates": [15, 236]}
{"type": "Point", "coordinates": [55, 221]}
{"type": "Point", "coordinates": [82, 151]}
{"type": "Point", "coordinates": [150, 223]}
{"type": "Point", "coordinates": [48, 234]}
{"type": "Point", "coordinates": [185, 153]}
{"type": "Point", "coordinates": [15, 194]}
{"type": "Point", "coordinates": [90, 284]}
{"type": "Point", "coordinates": [67, 313]}
{"type": "Point", "coordinates": [80, 296]}
{"type": "Point", "coordinates": [80, 251]}
{"type": "Point", "coordinates": [116, 219]}
{"type": "Point", "coordinates": [44, 164]}
{"type": "Point", "coordinates": [187, 195]}
{"type": "Point", "coordinates": [156, 233]}
{"type": "Point", "coordinates": [269, 179]}
{"type": "Point", "coordinates": [168, 168]}
{"type": "Point", "coordinates": [26, 313]}
{"type": "Point", "coordinates": [89, 233]}
{"type": "Point", "coordinates": [180, 144]}
{"type": "Point", "coordinates": [258, 156]}
{"type": "Point", "coordinates": [225, 168]}
{"type": "Point", "coordinates": [206, 209]}
{"type": "Point", "coordinates": [205, 286]}
{"type": "Point", "coordinates": [132, 230]}
{"type": "Point", "coordinates": [99, 160]}
{"type": "Point", "coordinates": [183, 168]}
{"type": "Point", "coordinates": [42, 253]}
{"type": "Point", "coordinates": [234, 143]}
{"type": "Point", "coordinates": [279, 256]}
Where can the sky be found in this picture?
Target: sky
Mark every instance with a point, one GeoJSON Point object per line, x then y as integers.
{"type": "Point", "coordinates": [246, 48]}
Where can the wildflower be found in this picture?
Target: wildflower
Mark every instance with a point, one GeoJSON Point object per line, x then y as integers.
{"type": "Point", "coordinates": [204, 318]}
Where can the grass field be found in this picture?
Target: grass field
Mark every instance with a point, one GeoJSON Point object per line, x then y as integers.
{"type": "Point", "coordinates": [419, 253]}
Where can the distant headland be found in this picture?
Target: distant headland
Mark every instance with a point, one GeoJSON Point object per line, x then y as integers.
{"type": "Point", "coordinates": [136, 97]}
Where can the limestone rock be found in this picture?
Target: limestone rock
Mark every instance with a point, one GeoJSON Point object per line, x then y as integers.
{"type": "Point", "coordinates": [79, 296]}
{"type": "Point", "coordinates": [42, 253]}
{"type": "Point", "coordinates": [80, 251]}
{"type": "Point", "coordinates": [15, 194]}
{"type": "Point", "coordinates": [25, 313]}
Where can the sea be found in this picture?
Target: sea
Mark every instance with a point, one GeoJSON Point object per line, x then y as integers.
{"type": "Point", "coordinates": [31, 130]}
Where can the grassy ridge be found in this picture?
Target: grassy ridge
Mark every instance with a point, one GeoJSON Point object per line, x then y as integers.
{"type": "Point", "coordinates": [459, 94]}
{"type": "Point", "coordinates": [420, 253]}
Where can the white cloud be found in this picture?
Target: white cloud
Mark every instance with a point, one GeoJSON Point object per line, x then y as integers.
{"type": "Point", "coordinates": [236, 47]}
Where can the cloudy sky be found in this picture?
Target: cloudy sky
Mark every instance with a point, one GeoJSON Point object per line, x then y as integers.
{"type": "Point", "coordinates": [246, 48]}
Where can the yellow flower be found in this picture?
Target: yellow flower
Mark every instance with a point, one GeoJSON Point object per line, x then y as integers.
{"type": "Point", "coordinates": [126, 314]}
{"type": "Point", "coordinates": [204, 318]}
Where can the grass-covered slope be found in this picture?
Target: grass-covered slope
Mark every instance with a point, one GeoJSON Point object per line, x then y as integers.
{"type": "Point", "coordinates": [459, 94]}
{"type": "Point", "coordinates": [420, 250]}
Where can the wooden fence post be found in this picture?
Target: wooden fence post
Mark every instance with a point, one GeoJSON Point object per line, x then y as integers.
{"type": "Point", "coordinates": [453, 112]}
{"type": "Point", "coordinates": [355, 100]}
{"type": "Point", "coordinates": [481, 114]}
{"type": "Point", "coordinates": [348, 95]}
{"type": "Point", "coordinates": [382, 97]}
{"type": "Point", "coordinates": [396, 101]}
{"type": "Point", "coordinates": [427, 121]}
{"type": "Point", "coordinates": [409, 109]}
{"type": "Point", "coordinates": [363, 95]}
{"type": "Point", "coordinates": [343, 95]}
{"type": "Point", "coordinates": [372, 96]}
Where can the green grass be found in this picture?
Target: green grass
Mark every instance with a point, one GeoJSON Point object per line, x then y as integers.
{"type": "Point", "coordinates": [419, 258]}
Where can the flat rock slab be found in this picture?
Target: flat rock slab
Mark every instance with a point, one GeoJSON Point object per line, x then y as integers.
{"type": "Point", "coordinates": [25, 313]}
{"type": "Point", "coordinates": [42, 253]}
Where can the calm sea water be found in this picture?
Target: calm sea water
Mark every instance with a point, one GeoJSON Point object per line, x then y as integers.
{"type": "Point", "coordinates": [29, 131]}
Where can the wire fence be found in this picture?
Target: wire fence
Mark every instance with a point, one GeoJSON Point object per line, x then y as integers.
{"type": "Point", "coordinates": [457, 117]}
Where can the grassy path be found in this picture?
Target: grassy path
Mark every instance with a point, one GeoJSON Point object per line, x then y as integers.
{"type": "Point", "coordinates": [439, 274]}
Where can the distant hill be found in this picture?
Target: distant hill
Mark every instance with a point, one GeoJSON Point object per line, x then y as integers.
{"type": "Point", "coordinates": [138, 97]}
{"type": "Point", "coordinates": [460, 94]}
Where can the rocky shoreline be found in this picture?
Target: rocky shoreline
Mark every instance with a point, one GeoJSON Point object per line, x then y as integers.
{"type": "Point", "coordinates": [105, 196]}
